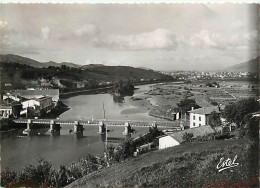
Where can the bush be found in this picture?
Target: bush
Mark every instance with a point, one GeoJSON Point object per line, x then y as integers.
{"type": "Point", "coordinates": [41, 174]}
{"type": "Point", "coordinates": [187, 137]}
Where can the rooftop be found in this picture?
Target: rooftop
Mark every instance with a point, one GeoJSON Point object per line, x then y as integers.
{"type": "Point", "coordinates": [38, 92]}
{"type": "Point", "coordinates": [207, 110]}
{"type": "Point", "coordinates": [198, 131]}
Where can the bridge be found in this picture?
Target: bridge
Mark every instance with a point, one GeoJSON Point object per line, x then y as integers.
{"type": "Point", "coordinates": [55, 124]}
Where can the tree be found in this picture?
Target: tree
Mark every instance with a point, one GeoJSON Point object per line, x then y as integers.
{"type": "Point", "coordinates": [186, 105]}
{"type": "Point", "coordinates": [214, 119]}
{"type": "Point", "coordinates": [17, 109]}
{"type": "Point", "coordinates": [236, 112]}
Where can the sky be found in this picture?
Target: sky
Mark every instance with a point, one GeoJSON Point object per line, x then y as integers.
{"type": "Point", "coordinates": [164, 37]}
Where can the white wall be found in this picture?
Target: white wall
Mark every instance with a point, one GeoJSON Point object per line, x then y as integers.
{"type": "Point", "coordinates": [167, 141]}
{"type": "Point", "coordinates": [30, 103]}
{"type": "Point", "coordinates": [197, 120]}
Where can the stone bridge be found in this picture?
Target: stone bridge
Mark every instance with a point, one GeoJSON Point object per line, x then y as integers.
{"type": "Point", "coordinates": [55, 124]}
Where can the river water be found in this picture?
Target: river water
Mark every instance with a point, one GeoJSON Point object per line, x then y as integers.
{"type": "Point", "coordinates": [17, 151]}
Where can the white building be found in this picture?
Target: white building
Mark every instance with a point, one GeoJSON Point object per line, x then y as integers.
{"type": "Point", "coordinates": [42, 103]}
{"type": "Point", "coordinates": [5, 111]}
{"type": "Point", "coordinates": [200, 117]}
{"type": "Point", "coordinates": [176, 138]}
{"type": "Point", "coordinates": [168, 141]}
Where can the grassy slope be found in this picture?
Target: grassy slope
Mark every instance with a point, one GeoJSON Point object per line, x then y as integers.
{"type": "Point", "coordinates": [187, 165]}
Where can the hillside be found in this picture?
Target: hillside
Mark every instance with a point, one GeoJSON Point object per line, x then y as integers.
{"type": "Point", "coordinates": [249, 66]}
{"type": "Point", "coordinates": [187, 165]}
{"type": "Point", "coordinates": [10, 58]}
{"type": "Point", "coordinates": [23, 72]}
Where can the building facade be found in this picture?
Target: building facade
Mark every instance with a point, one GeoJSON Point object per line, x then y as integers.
{"type": "Point", "coordinates": [200, 117]}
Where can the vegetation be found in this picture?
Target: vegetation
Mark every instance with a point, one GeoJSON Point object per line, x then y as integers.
{"type": "Point", "coordinates": [42, 174]}
{"type": "Point", "coordinates": [187, 165]}
{"type": "Point", "coordinates": [24, 74]}
{"type": "Point", "coordinates": [186, 105]}
{"type": "Point", "coordinates": [214, 119]}
{"type": "Point", "coordinates": [187, 137]}
{"type": "Point", "coordinates": [236, 112]}
{"type": "Point", "coordinates": [127, 148]}
{"type": "Point", "coordinates": [123, 87]}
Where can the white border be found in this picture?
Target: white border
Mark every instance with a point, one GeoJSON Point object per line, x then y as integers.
{"type": "Point", "coordinates": [128, 1]}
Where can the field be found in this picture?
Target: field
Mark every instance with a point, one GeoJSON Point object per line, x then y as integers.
{"type": "Point", "coordinates": [161, 100]}
{"type": "Point", "coordinates": [187, 165]}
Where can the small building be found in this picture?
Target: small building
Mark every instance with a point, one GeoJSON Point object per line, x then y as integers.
{"type": "Point", "coordinates": [168, 141]}
{"type": "Point", "coordinates": [5, 111]}
{"type": "Point", "coordinates": [80, 84]}
{"type": "Point", "coordinates": [200, 117]}
{"type": "Point", "coordinates": [176, 138]}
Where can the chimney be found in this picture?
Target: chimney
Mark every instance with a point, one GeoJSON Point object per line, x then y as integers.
{"type": "Point", "coordinates": [192, 108]}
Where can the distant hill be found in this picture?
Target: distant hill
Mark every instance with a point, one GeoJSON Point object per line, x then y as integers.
{"type": "Point", "coordinates": [91, 66]}
{"type": "Point", "coordinates": [52, 63]}
{"type": "Point", "coordinates": [249, 66]}
{"type": "Point", "coordinates": [10, 58]}
{"type": "Point", "coordinates": [23, 72]}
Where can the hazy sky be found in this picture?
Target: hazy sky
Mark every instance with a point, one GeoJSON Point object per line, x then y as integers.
{"type": "Point", "coordinates": [157, 36]}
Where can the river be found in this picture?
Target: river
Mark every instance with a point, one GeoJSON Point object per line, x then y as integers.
{"type": "Point", "coordinates": [17, 151]}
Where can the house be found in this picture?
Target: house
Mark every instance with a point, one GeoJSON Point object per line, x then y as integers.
{"type": "Point", "coordinates": [5, 110]}
{"type": "Point", "coordinates": [176, 138]}
{"type": "Point", "coordinates": [43, 104]}
{"type": "Point", "coordinates": [80, 84]}
{"type": "Point", "coordinates": [200, 117]}
{"type": "Point", "coordinates": [13, 97]}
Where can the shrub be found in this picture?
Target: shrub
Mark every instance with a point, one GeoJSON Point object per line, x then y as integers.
{"type": "Point", "coordinates": [187, 137]}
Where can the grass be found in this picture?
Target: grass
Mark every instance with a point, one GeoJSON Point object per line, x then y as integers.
{"type": "Point", "coordinates": [187, 165]}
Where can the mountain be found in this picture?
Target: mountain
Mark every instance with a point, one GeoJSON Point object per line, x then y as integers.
{"type": "Point", "coordinates": [91, 66]}
{"type": "Point", "coordinates": [249, 66]}
{"type": "Point", "coordinates": [10, 58]}
{"type": "Point", "coordinates": [52, 63]}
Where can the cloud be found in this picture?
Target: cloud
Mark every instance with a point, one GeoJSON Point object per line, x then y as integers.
{"type": "Point", "coordinates": [208, 39]}
{"type": "Point", "coordinates": [45, 32]}
{"type": "Point", "coordinates": [3, 24]}
{"type": "Point", "coordinates": [158, 39]}
{"type": "Point", "coordinates": [84, 30]}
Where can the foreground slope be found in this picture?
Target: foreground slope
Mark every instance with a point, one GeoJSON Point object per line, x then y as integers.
{"type": "Point", "coordinates": [187, 165]}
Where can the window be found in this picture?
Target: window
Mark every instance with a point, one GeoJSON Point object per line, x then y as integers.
{"type": "Point", "coordinates": [194, 117]}
{"type": "Point", "coordinates": [194, 124]}
{"type": "Point", "coordinates": [199, 124]}
{"type": "Point", "coordinates": [199, 118]}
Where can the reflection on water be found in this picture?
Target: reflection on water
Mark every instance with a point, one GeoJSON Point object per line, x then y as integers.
{"type": "Point", "coordinates": [118, 99]}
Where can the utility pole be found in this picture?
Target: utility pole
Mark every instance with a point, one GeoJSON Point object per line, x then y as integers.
{"type": "Point", "coordinates": [105, 152]}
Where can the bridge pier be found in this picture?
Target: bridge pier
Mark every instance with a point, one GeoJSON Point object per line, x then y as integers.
{"type": "Point", "coordinates": [54, 127]}
{"type": "Point", "coordinates": [29, 126]}
{"type": "Point", "coordinates": [154, 125]}
{"type": "Point", "coordinates": [101, 128]}
{"type": "Point", "coordinates": [127, 128]}
{"type": "Point", "coordinates": [77, 127]}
